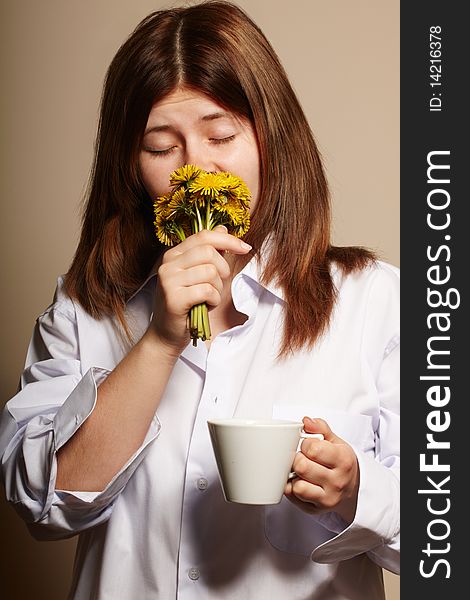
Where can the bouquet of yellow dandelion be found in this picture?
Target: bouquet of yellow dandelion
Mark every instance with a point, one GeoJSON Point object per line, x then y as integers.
{"type": "Point", "coordinates": [201, 200]}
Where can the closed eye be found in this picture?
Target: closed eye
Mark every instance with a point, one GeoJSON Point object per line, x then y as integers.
{"type": "Point", "coordinates": [224, 140]}
{"type": "Point", "coordinates": [160, 152]}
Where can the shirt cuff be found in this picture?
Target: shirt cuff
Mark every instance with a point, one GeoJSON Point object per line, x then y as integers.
{"type": "Point", "coordinates": [377, 519]}
{"type": "Point", "coordinates": [78, 406]}
{"type": "Point", "coordinates": [70, 416]}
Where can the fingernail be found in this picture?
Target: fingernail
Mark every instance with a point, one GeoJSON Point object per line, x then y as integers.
{"type": "Point", "coordinates": [221, 228]}
{"type": "Point", "coordinates": [245, 246]}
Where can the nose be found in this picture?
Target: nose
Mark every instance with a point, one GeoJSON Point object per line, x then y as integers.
{"type": "Point", "coordinates": [199, 154]}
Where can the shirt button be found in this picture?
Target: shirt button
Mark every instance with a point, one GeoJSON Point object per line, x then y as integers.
{"type": "Point", "coordinates": [193, 573]}
{"type": "Point", "coordinates": [202, 484]}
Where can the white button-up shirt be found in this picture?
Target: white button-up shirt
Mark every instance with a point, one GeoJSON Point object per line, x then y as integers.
{"type": "Point", "coordinates": [161, 529]}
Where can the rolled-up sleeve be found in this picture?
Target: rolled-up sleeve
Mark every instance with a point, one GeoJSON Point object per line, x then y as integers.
{"type": "Point", "coordinates": [53, 401]}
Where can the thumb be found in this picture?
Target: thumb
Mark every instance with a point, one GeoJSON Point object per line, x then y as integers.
{"type": "Point", "coordinates": [221, 228]}
{"type": "Point", "coordinates": [320, 426]}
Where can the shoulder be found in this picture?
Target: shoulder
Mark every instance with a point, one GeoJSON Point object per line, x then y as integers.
{"type": "Point", "coordinates": [383, 279]}
{"type": "Point", "coordinates": [384, 285]}
{"type": "Point", "coordinates": [371, 298]}
{"type": "Point", "coordinates": [386, 273]}
{"type": "Point", "coordinates": [62, 306]}
{"type": "Point", "coordinates": [55, 335]}
{"type": "Point", "coordinates": [378, 278]}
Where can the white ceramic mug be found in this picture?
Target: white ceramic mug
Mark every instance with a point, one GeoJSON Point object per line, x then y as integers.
{"type": "Point", "coordinates": [254, 457]}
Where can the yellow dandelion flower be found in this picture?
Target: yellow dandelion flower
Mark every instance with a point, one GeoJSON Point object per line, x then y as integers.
{"type": "Point", "coordinates": [230, 181]}
{"type": "Point", "coordinates": [168, 231]}
{"type": "Point", "coordinates": [177, 197]}
{"type": "Point", "coordinates": [207, 184]}
{"type": "Point", "coordinates": [235, 186]}
{"type": "Point", "coordinates": [239, 229]}
{"type": "Point", "coordinates": [164, 230]}
{"type": "Point", "coordinates": [184, 174]}
{"type": "Point", "coordinates": [223, 205]}
{"type": "Point", "coordinates": [233, 207]}
{"type": "Point", "coordinates": [177, 201]}
{"type": "Point", "coordinates": [162, 202]}
{"type": "Point", "coordinates": [241, 192]}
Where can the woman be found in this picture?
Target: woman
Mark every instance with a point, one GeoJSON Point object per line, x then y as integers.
{"type": "Point", "coordinates": [108, 435]}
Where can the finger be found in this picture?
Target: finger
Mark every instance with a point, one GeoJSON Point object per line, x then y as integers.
{"type": "Point", "coordinates": [222, 229]}
{"type": "Point", "coordinates": [216, 238]}
{"type": "Point", "coordinates": [200, 274]}
{"type": "Point", "coordinates": [200, 293]}
{"type": "Point", "coordinates": [306, 507]}
{"type": "Point", "coordinates": [202, 255]}
{"type": "Point", "coordinates": [307, 492]}
{"type": "Point", "coordinates": [311, 471]}
{"type": "Point", "coordinates": [321, 452]}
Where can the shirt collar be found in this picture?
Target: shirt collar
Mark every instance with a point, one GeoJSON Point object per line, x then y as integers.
{"type": "Point", "coordinates": [150, 276]}
{"type": "Point", "coordinates": [253, 270]}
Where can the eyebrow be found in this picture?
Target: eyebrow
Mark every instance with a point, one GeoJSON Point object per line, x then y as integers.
{"type": "Point", "coordinates": [214, 116]}
{"type": "Point", "coordinates": [205, 118]}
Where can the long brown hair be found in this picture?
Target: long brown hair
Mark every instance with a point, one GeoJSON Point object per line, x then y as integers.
{"type": "Point", "coordinates": [215, 48]}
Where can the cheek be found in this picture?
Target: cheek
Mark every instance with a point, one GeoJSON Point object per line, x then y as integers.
{"type": "Point", "coordinates": [253, 179]}
{"type": "Point", "coordinates": [155, 176]}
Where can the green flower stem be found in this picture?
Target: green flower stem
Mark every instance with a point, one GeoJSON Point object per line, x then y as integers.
{"type": "Point", "coordinates": [199, 323]}
{"type": "Point", "coordinates": [199, 326]}
{"type": "Point", "coordinates": [199, 314]}
{"type": "Point", "coordinates": [180, 232]}
{"type": "Point", "coordinates": [205, 322]}
{"type": "Point", "coordinates": [199, 220]}
{"type": "Point", "coordinates": [193, 325]}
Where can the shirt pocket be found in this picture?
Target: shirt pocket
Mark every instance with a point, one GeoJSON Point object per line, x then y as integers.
{"type": "Point", "coordinates": [288, 528]}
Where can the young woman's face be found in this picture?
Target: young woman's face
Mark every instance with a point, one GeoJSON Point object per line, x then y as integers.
{"type": "Point", "coordinates": [187, 127]}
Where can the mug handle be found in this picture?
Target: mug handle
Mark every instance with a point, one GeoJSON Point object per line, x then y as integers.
{"type": "Point", "coordinates": [305, 436]}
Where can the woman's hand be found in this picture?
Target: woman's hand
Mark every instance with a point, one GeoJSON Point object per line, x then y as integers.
{"type": "Point", "coordinates": [327, 473]}
{"type": "Point", "coordinates": [191, 273]}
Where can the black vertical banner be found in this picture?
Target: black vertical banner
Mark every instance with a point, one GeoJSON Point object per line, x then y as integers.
{"type": "Point", "coordinates": [434, 264]}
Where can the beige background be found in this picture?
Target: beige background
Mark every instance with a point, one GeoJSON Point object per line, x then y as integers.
{"type": "Point", "coordinates": [343, 60]}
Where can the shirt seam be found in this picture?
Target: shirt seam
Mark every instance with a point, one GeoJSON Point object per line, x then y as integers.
{"type": "Point", "coordinates": [61, 307]}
